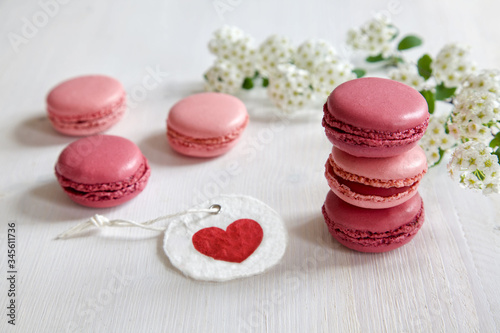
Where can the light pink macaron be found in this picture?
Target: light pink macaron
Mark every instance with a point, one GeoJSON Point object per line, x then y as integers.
{"type": "Point", "coordinates": [206, 124]}
{"type": "Point", "coordinates": [86, 105]}
{"type": "Point", "coordinates": [375, 117]}
{"type": "Point", "coordinates": [375, 182]}
{"type": "Point", "coordinates": [102, 171]}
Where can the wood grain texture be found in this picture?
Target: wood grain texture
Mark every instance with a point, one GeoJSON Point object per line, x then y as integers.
{"type": "Point", "coordinates": [445, 280]}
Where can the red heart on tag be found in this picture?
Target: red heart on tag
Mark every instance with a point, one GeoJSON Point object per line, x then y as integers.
{"type": "Point", "coordinates": [238, 242]}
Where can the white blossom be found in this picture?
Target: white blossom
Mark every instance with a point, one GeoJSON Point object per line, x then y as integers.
{"type": "Point", "coordinates": [452, 65]}
{"type": "Point", "coordinates": [408, 74]}
{"type": "Point", "coordinates": [436, 138]}
{"type": "Point", "coordinates": [473, 112]}
{"type": "Point", "coordinates": [224, 76]}
{"type": "Point", "coordinates": [289, 87]}
{"type": "Point", "coordinates": [484, 81]}
{"type": "Point", "coordinates": [234, 45]}
{"type": "Point", "coordinates": [274, 51]}
{"type": "Point", "coordinates": [314, 52]}
{"type": "Point", "coordinates": [329, 75]}
{"type": "Point", "coordinates": [375, 37]}
{"type": "Point", "coordinates": [475, 167]}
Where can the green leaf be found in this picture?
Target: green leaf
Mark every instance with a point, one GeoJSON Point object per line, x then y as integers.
{"type": "Point", "coordinates": [360, 72]}
{"type": "Point", "coordinates": [424, 66]}
{"type": "Point", "coordinates": [408, 42]}
{"type": "Point", "coordinates": [495, 142]}
{"type": "Point", "coordinates": [247, 83]}
{"type": "Point", "coordinates": [265, 82]}
{"type": "Point", "coordinates": [376, 58]}
{"type": "Point", "coordinates": [441, 154]}
{"type": "Point", "coordinates": [205, 77]}
{"type": "Point", "coordinates": [430, 98]}
{"type": "Point", "coordinates": [443, 93]}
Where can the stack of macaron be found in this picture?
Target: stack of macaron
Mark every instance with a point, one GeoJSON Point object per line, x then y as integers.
{"type": "Point", "coordinates": [375, 165]}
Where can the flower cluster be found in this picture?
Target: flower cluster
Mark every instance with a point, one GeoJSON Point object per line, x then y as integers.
{"type": "Point", "coordinates": [473, 115]}
{"type": "Point", "coordinates": [452, 65]}
{"type": "Point", "coordinates": [475, 167]}
{"type": "Point", "coordinates": [289, 87]}
{"type": "Point", "coordinates": [293, 76]}
{"type": "Point", "coordinates": [375, 37]}
{"type": "Point", "coordinates": [436, 140]}
{"type": "Point", "coordinates": [275, 50]}
{"type": "Point", "coordinates": [407, 73]}
{"type": "Point", "coordinates": [235, 46]}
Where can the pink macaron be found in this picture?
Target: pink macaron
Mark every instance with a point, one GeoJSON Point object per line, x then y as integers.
{"type": "Point", "coordinates": [375, 182]}
{"type": "Point", "coordinates": [374, 117]}
{"type": "Point", "coordinates": [206, 124]}
{"type": "Point", "coordinates": [373, 230]}
{"type": "Point", "coordinates": [86, 105]}
{"type": "Point", "coordinates": [102, 171]}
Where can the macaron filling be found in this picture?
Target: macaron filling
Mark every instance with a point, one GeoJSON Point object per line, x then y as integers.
{"type": "Point", "coordinates": [208, 144]}
{"type": "Point", "coordinates": [107, 191]}
{"type": "Point", "coordinates": [104, 117]}
{"type": "Point", "coordinates": [368, 137]}
{"type": "Point", "coordinates": [367, 238]}
{"type": "Point", "coordinates": [371, 190]}
{"type": "Point", "coordinates": [368, 189]}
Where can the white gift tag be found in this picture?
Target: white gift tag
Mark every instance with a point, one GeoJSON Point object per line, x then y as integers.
{"type": "Point", "coordinates": [226, 246]}
{"type": "Point", "coordinates": [225, 238]}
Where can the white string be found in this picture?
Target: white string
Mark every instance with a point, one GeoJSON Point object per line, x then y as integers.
{"type": "Point", "coordinates": [100, 221]}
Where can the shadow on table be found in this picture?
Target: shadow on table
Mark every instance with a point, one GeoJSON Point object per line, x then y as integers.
{"type": "Point", "coordinates": [157, 150]}
{"type": "Point", "coordinates": [324, 250]}
{"type": "Point", "coordinates": [47, 202]}
{"type": "Point", "coordinates": [37, 132]}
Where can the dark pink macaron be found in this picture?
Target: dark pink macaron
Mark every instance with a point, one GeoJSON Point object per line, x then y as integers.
{"type": "Point", "coordinates": [374, 117]}
{"type": "Point", "coordinates": [86, 105]}
{"type": "Point", "coordinates": [102, 171]}
{"type": "Point", "coordinates": [373, 230]}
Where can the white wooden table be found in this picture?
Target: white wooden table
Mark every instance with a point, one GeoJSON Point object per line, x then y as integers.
{"type": "Point", "coordinates": [445, 280]}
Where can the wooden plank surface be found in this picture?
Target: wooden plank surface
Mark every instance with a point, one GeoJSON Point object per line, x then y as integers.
{"type": "Point", "coordinates": [445, 280]}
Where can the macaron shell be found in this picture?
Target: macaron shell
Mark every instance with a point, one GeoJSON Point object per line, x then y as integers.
{"type": "Point", "coordinates": [360, 149]}
{"type": "Point", "coordinates": [378, 104]}
{"type": "Point", "coordinates": [190, 148]}
{"type": "Point", "coordinates": [363, 200]}
{"type": "Point", "coordinates": [85, 127]}
{"type": "Point", "coordinates": [84, 95]}
{"type": "Point", "coordinates": [406, 165]}
{"type": "Point", "coordinates": [104, 199]}
{"type": "Point", "coordinates": [207, 115]}
{"type": "Point", "coordinates": [369, 230]}
{"type": "Point", "coordinates": [99, 159]}
{"type": "Point", "coordinates": [86, 105]}
{"type": "Point", "coordinates": [102, 171]}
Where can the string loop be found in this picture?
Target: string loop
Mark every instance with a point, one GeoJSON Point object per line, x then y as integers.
{"type": "Point", "coordinates": [100, 221]}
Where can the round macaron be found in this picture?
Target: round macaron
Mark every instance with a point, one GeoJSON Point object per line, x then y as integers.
{"type": "Point", "coordinates": [206, 124]}
{"type": "Point", "coordinates": [102, 171]}
{"type": "Point", "coordinates": [86, 105]}
{"type": "Point", "coordinates": [374, 117]}
{"type": "Point", "coordinates": [375, 182]}
{"type": "Point", "coordinates": [373, 230]}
